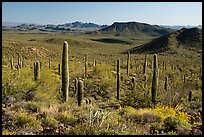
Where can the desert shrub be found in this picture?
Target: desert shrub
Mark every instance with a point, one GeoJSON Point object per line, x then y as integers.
{"type": "Point", "coordinates": [47, 87]}
{"type": "Point", "coordinates": [66, 118]}
{"type": "Point", "coordinates": [147, 118]}
{"type": "Point", "coordinates": [49, 109]}
{"type": "Point", "coordinates": [21, 119]}
{"type": "Point", "coordinates": [33, 106]}
{"type": "Point", "coordinates": [140, 115]}
{"type": "Point", "coordinates": [132, 99]}
{"type": "Point", "coordinates": [49, 121]}
{"type": "Point", "coordinates": [156, 128]}
{"type": "Point", "coordinates": [166, 111]}
{"type": "Point", "coordinates": [17, 85]}
{"type": "Point", "coordinates": [170, 123]}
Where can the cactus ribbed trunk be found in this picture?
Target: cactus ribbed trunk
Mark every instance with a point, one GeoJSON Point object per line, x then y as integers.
{"type": "Point", "coordinates": [36, 70]}
{"type": "Point", "coordinates": [19, 60]}
{"type": "Point", "coordinates": [118, 79]}
{"type": "Point", "coordinates": [190, 96]}
{"type": "Point", "coordinates": [154, 80]}
{"type": "Point", "coordinates": [133, 84]}
{"type": "Point", "coordinates": [128, 63]}
{"type": "Point", "coordinates": [65, 72]}
{"type": "Point", "coordinates": [80, 92]}
{"type": "Point", "coordinates": [145, 64]}
{"type": "Point", "coordinates": [166, 83]}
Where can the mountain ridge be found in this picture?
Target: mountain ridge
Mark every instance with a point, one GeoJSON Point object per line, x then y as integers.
{"type": "Point", "coordinates": [185, 38]}
{"type": "Point", "coordinates": [135, 29]}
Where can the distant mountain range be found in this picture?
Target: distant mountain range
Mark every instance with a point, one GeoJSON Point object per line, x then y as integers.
{"type": "Point", "coordinates": [183, 38]}
{"type": "Point", "coordinates": [50, 27]}
{"type": "Point", "coordinates": [180, 26]}
{"type": "Point", "coordinates": [74, 25]}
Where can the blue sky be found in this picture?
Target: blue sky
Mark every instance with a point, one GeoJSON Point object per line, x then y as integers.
{"type": "Point", "coordinates": [160, 13]}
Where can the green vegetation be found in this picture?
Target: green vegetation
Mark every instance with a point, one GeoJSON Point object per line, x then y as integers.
{"type": "Point", "coordinates": [112, 103]}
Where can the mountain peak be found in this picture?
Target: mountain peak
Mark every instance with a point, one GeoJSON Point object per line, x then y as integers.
{"type": "Point", "coordinates": [135, 28]}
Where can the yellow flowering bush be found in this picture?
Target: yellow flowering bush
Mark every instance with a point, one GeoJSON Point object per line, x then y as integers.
{"type": "Point", "coordinates": [166, 111]}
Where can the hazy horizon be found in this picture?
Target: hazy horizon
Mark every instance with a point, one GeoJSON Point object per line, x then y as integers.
{"type": "Point", "coordinates": [103, 13]}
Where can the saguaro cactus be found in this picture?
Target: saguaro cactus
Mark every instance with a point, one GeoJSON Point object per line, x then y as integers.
{"type": "Point", "coordinates": [190, 96]}
{"type": "Point", "coordinates": [166, 83]}
{"type": "Point", "coordinates": [154, 80]}
{"type": "Point", "coordinates": [19, 60]}
{"type": "Point", "coordinates": [80, 92]}
{"type": "Point", "coordinates": [36, 70]}
{"type": "Point", "coordinates": [65, 72]}
{"type": "Point", "coordinates": [128, 62]}
{"type": "Point", "coordinates": [11, 62]}
{"type": "Point", "coordinates": [118, 79]}
{"type": "Point", "coordinates": [133, 84]}
{"type": "Point", "coordinates": [85, 66]}
{"type": "Point", "coordinates": [145, 64]}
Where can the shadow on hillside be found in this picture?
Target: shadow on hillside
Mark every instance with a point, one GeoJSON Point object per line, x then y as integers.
{"type": "Point", "coordinates": [112, 41]}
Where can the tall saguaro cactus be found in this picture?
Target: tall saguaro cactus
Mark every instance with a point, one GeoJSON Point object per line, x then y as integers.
{"type": "Point", "coordinates": [118, 79]}
{"type": "Point", "coordinates": [145, 65]}
{"type": "Point", "coordinates": [80, 92]}
{"type": "Point", "coordinates": [128, 62]}
{"type": "Point", "coordinates": [65, 72]}
{"type": "Point", "coordinates": [154, 80]}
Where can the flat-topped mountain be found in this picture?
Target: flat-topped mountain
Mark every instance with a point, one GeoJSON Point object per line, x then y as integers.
{"type": "Point", "coordinates": [135, 29]}
{"type": "Point", "coordinates": [184, 38]}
